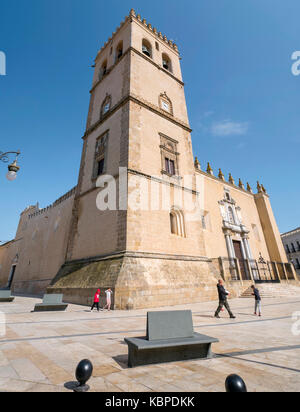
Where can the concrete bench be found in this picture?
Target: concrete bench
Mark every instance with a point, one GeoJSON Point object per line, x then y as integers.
{"type": "Point", "coordinates": [5, 296]}
{"type": "Point", "coordinates": [51, 303]}
{"type": "Point", "coordinates": [170, 337]}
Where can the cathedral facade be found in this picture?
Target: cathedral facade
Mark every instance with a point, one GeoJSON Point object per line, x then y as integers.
{"type": "Point", "coordinates": [144, 218]}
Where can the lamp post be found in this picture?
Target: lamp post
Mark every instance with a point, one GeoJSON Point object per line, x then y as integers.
{"type": "Point", "coordinates": [13, 168]}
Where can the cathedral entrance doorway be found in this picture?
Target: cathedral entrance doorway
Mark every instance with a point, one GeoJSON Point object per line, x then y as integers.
{"type": "Point", "coordinates": [239, 256]}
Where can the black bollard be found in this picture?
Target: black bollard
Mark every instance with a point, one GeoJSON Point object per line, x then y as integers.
{"type": "Point", "coordinates": [84, 371]}
{"type": "Point", "coordinates": [235, 383]}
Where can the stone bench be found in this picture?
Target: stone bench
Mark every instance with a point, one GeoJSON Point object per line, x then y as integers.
{"type": "Point", "coordinates": [170, 337]}
{"type": "Point", "coordinates": [5, 296]}
{"type": "Point", "coordinates": [51, 303]}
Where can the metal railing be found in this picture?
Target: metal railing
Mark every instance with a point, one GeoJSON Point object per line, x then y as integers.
{"type": "Point", "coordinates": [233, 269]}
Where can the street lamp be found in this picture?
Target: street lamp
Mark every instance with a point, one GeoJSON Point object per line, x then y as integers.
{"type": "Point", "coordinates": [13, 168]}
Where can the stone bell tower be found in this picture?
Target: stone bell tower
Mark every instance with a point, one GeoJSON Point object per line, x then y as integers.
{"type": "Point", "coordinates": [148, 250]}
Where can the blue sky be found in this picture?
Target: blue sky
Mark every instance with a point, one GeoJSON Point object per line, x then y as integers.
{"type": "Point", "coordinates": [242, 98]}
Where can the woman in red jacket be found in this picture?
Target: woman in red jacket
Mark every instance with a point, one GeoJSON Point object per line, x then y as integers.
{"type": "Point", "coordinates": [96, 300]}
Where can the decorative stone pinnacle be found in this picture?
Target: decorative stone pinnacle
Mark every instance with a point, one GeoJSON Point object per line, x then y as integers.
{"type": "Point", "coordinates": [139, 17]}
{"type": "Point", "coordinates": [197, 164]}
{"type": "Point", "coordinates": [231, 180]}
{"type": "Point", "coordinates": [241, 185]}
{"type": "Point", "coordinates": [263, 189]}
{"type": "Point", "coordinates": [221, 176]}
{"type": "Point", "coordinates": [259, 188]}
{"type": "Point", "coordinates": [149, 26]}
{"type": "Point", "coordinates": [209, 169]}
{"type": "Point", "coordinates": [144, 22]}
{"type": "Point", "coordinates": [249, 188]}
{"type": "Point", "coordinates": [132, 13]}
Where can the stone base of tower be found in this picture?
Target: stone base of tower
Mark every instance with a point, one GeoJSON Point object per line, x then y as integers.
{"type": "Point", "coordinates": [138, 280]}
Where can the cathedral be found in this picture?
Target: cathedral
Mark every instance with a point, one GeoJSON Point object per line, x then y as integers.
{"type": "Point", "coordinates": [144, 219]}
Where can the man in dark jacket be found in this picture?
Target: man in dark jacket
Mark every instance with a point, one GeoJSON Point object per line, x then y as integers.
{"type": "Point", "coordinates": [223, 300]}
{"type": "Point", "coordinates": [257, 300]}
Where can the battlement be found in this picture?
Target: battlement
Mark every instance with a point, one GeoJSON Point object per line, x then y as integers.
{"type": "Point", "coordinates": [53, 205]}
{"type": "Point", "coordinates": [133, 16]}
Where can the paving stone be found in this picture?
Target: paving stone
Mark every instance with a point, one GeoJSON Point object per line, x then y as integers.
{"type": "Point", "coordinates": [40, 352]}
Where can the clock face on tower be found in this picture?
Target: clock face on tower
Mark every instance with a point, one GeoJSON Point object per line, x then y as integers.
{"type": "Point", "coordinates": [165, 106]}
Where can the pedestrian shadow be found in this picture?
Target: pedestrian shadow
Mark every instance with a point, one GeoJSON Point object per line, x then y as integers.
{"type": "Point", "coordinates": [246, 314]}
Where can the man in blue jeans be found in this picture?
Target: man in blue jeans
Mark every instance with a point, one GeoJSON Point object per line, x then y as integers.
{"type": "Point", "coordinates": [223, 300]}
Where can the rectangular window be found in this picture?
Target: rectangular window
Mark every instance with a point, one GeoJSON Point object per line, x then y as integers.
{"type": "Point", "coordinates": [100, 167]}
{"type": "Point", "coordinates": [170, 166]}
{"type": "Point", "coordinates": [169, 156]}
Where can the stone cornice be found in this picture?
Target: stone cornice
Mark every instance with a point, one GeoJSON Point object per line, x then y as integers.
{"type": "Point", "coordinates": [143, 103]}
{"type": "Point", "coordinates": [138, 255]}
{"type": "Point", "coordinates": [292, 232]}
{"type": "Point", "coordinates": [137, 173]}
{"type": "Point", "coordinates": [159, 180]}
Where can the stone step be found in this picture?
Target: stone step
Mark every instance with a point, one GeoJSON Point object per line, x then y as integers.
{"type": "Point", "coordinates": [273, 291]}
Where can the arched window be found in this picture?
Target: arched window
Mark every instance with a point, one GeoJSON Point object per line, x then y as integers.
{"type": "Point", "coordinates": [166, 62]}
{"type": "Point", "coordinates": [106, 105]}
{"type": "Point", "coordinates": [177, 222]}
{"type": "Point", "coordinates": [173, 222]}
{"type": "Point", "coordinates": [147, 48]}
{"type": "Point", "coordinates": [119, 51]}
{"type": "Point", "coordinates": [103, 70]}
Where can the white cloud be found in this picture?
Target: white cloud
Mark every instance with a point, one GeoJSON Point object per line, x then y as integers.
{"type": "Point", "coordinates": [229, 128]}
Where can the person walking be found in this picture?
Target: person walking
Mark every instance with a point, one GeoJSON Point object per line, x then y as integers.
{"type": "Point", "coordinates": [256, 294]}
{"type": "Point", "coordinates": [108, 299]}
{"type": "Point", "coordinates": [96, 300]}
{"type": "Point", "coordinates": [223, 293]}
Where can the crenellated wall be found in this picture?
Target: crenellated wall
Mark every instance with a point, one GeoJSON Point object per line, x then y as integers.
{"type": "Point", "coordinates": [39, 248]}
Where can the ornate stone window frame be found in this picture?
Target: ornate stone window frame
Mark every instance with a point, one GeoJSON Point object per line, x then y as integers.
{"type": "Point", "coordinates": [106, 106]}
{"type": "Point", "coordinates": [100, 154]}
{"type": "Point", "coordinates": [177, 224]}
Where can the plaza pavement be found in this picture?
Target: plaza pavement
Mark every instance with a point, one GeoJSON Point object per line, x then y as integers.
{"type": "Point", "coordinates": [40, 351]}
